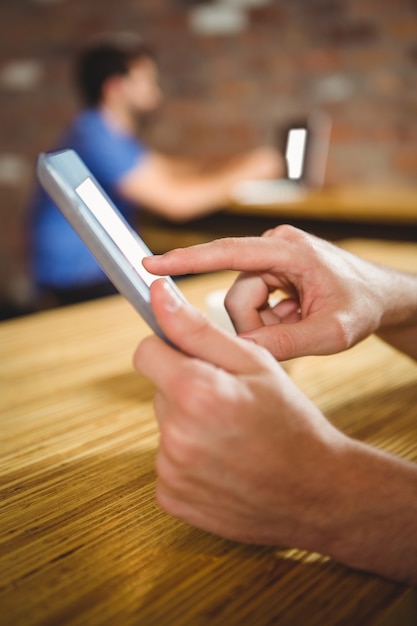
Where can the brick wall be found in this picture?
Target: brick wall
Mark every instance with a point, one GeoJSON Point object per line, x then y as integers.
{"type": "Point", "coordinates": [228, 87]}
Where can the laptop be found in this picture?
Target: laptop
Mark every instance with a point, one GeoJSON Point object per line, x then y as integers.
{"type": "Point", "coordinates": [305, 145]}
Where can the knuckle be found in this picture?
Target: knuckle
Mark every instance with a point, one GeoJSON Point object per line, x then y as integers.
{"type": "Point", "coordinates": [343, 330]}
{"type": "Point", "coordinates": [166, 499]}
{"type": "Point", "coordinates": [163, 500]}
{"type": "Point", "coordinates": [283, 345]}
{"type": "Point", "coordinates": [167, 473]}
{"type": "Point", "coordinates": [285, 230]}
{"type": "Point", "coordinates": [200, 328]}
{"type": "Point", "coordinates": [201, 398]}
{"type": "Point", "coordinates": [233, 249]}
{"type": "Point", "coordinates": [231, 304]}
{"type": "Point", "coordinates": [179, 446]}
{"type": "Point", "coordinates": [163, 467]}
{"type": "Point", "coordinates": [141, 355]}
{"type": "Point", "coordinates": [174, 387]}
{"type": "Point", "coordinates": [230, 243]}
{"type": "Point", "coordinates": [173, 503]}
{"type": "Point", "coordinates": [190, 388]}
{"type": "Point", "coordinates": [290, 233]}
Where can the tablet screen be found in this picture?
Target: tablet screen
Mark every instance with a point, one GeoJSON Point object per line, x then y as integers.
{"type": "Point", "coordinates": [114, 226]}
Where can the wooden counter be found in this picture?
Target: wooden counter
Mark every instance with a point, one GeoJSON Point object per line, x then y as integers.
{"type": "Point", "coordinates": [82, 539]}
{"type": "Point", "coordinates": [365, 212]}
{"type": "Point", "coordinates": [356, 204]}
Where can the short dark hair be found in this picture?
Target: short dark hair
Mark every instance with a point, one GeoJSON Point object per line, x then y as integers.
{"type": "Point", "coordinates": [105, 56]}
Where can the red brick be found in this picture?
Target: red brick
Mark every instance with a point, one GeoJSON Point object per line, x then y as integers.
{"type": "Point", "coordinates": [406, 160]}
{"type": "Point", "coordinates": [349, 33]}
{"type": "Point", "coordinates": [228, 93]}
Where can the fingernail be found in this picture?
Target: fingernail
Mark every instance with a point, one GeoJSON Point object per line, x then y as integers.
{"type": "Point", "coordinates": [148, 259]}
{"type": "Point", "coordinates": [172, 300]}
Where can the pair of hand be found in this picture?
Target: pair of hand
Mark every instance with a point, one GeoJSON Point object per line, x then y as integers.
{"type": "Point", "coordinates": [243, 453]}
{"type": "Point", "coordinates": [332, 298]}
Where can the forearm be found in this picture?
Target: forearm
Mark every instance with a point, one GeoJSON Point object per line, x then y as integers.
{"type": "Point", "coordinates": [372, 524]}
{"type": "Point", "coordinates": [179, 192]}
{"type": "Point", "coordinates": [403, 339]}
{"type": "Point", "coordinates": [399, 323]}
{"type": "Point", "coordinates": [191, 196]}
{"type": "Point", "coordinates": [180, 166]}
{"type": "Point", "coordinates": [178, 197]}
{"type": "Point", "coordinates": [190, 166]}
{"type": "Point", "coordinates": [198, 192]}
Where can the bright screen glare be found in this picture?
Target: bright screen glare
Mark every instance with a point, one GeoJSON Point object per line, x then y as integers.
{"type": "Point", "coordinates": [294, 155]}
{"type": "Point", "coordinates": [120, 234]}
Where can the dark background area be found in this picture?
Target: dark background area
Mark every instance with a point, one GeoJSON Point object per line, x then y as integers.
{"type": "Point", "coordinates": [225, 92]}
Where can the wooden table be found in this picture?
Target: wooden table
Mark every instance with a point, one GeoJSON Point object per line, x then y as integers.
{"type": "Point", "coordinates": [373, 212]}
{"type": "Point", "coordinates": [360, 204]}
{"type": "Point", "coordinates": [82, 539]}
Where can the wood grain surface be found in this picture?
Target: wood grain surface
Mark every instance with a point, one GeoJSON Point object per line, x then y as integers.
{"type": "Point", "coordinates": [82, 539]}
{"type": "Point", "coordinates": [368, 204]}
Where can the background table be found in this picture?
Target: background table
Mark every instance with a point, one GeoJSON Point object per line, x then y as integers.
{"type": "Point", "coordinates": [332, 213]}
{"type": "Point", "coordinates": [82, 539]}
{"type": "Point", "coordinates": [370, 204]}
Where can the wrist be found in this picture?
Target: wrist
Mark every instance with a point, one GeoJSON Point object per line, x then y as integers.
{"type": "Point", "coordinates": [400, 300]}
{"type": "Point", "coordinates": [369, 522]}
{"type": "Point", "coordinates": [398, 325]}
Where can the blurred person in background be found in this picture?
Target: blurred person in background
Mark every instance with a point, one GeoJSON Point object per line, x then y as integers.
{"type": "Point", "coordinates": [117, 79]}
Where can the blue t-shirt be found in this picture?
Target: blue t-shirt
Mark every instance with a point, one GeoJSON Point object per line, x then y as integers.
{"type": "Point", "coordinates": [59, 257]}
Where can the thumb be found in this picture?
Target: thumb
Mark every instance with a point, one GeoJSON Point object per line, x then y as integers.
{"type": "Point", "coordinates": [192, 332]}
{"type": "Point", "coordinates": [309, 336]}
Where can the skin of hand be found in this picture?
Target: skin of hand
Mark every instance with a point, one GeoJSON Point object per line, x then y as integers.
{"type": "Point", "coordinates": [245, 455]}
{"type": "Point", "coordinates": [331, 299]}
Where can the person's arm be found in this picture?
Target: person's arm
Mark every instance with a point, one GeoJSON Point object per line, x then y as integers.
{"type": "Point", "coordinates": [331, 298]}
{"type": "Point", "coordinates": [245, 455]}
{"type": "Point", "coordinates": [175, 165]}
{"type": "Point", "coordinates": [400, 328]}
{"type": "Point", "coordinates": [178, 192]}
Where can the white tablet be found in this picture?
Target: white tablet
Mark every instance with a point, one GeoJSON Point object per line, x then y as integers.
{"type": "Point", "coordinates": [116, 246]}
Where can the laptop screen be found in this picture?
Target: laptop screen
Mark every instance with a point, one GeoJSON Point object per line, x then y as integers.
{"type": "Point", "coordinates": [305, 145]}
{"type": "Point", "coordinates": [295, 152]}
